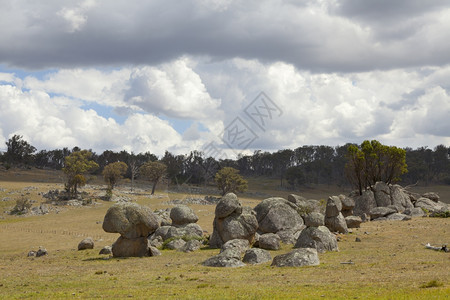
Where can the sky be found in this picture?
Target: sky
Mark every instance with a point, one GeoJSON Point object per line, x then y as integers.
{"type": "Point", "coordinates": [222, 76]}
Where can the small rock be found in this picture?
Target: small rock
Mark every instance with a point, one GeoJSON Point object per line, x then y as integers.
{"type": "Point", "coordinates": [41, 252]}
{"type": "Point", "coordinates": [107, 250]}
{"type": "Point", "coordinates": [357, 239]}
{"type": "Point", "coordinates": [87, 243]}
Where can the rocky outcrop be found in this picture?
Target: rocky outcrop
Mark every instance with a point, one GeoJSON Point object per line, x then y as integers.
{"type": "Point", "coordinates": [383, 195]}
{"type": "Point", "coordinates": [232, 221]}
{"type": "Point", "coordinates": [430, 205]}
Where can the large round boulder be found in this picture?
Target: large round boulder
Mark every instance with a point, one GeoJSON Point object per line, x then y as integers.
{"type": "Point", "coordinates": [182, 215]}
{"type": "Point", "coordinates": [319, 238]}
{"type": "Point", "coordinates": [276, 214]}
{"type": "Point", "coordinates": [130, 220]}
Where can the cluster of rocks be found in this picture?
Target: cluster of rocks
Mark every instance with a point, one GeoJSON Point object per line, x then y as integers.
{"type": "Point", "coordinates": [237, 253]}
{"type": "Point", "coordinates": [183, 234]}
{"type": "Point", "coordinates": [281, 217]}
{"type": "Point", "coordinates": [134, 223]}
{"type": "Point", "coordinates": [41, 252]}
{"type": "Point", "coordinates": [393, 202]}
{"type": "Point", "coordinates": [42, 209]}
{"type": "Point", "coordinates": [295, 220]}
{"type": "Point", "coordinates": [316, 235]}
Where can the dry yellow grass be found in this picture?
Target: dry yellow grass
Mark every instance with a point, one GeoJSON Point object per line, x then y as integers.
{"type": "Point", "coordinates": [390, 262]}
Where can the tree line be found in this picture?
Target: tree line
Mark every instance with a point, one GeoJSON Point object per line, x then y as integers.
{"type": "Point", "coordinates": [302, 166]}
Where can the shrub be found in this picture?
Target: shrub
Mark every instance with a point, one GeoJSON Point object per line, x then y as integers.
{"type": "Point", "coordinates": [23, 204]}
{"type": "Point", "coordinates": [431, 284]}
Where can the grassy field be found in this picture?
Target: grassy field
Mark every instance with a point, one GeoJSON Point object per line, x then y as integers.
{"type": "Point", "coordinates": [390, 262]}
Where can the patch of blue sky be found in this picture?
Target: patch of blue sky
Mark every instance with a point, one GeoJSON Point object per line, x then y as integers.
{"type": "Point", "coordinates": [180, 125]}
{"type": "Point", "coordinates": [105, 111]}
{"type": "Point", "coordinates": [21, 73]}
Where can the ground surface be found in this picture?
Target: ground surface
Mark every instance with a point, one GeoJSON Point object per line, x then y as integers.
{"type": "Point", "coordinates": [390, 261]}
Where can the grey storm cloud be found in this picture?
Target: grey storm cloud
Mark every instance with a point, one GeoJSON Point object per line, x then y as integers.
{"type": "Point", "coordinates": [327, 36]}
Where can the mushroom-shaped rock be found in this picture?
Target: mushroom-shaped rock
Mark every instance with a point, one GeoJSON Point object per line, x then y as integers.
{"type": "Point", "coordinates": [319, 238]}
{"type": "Point", "coordinates": [182, 215]}
{"type": "Point", "coordinates": [276, 214]}
{"type": "Point", "coordinates": [130, 220]}
{"type": "Point", "coordinates": [297, 258]}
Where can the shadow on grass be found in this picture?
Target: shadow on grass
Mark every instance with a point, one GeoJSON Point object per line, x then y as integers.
{"type": "Point", "coordinates": [101, 258]}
